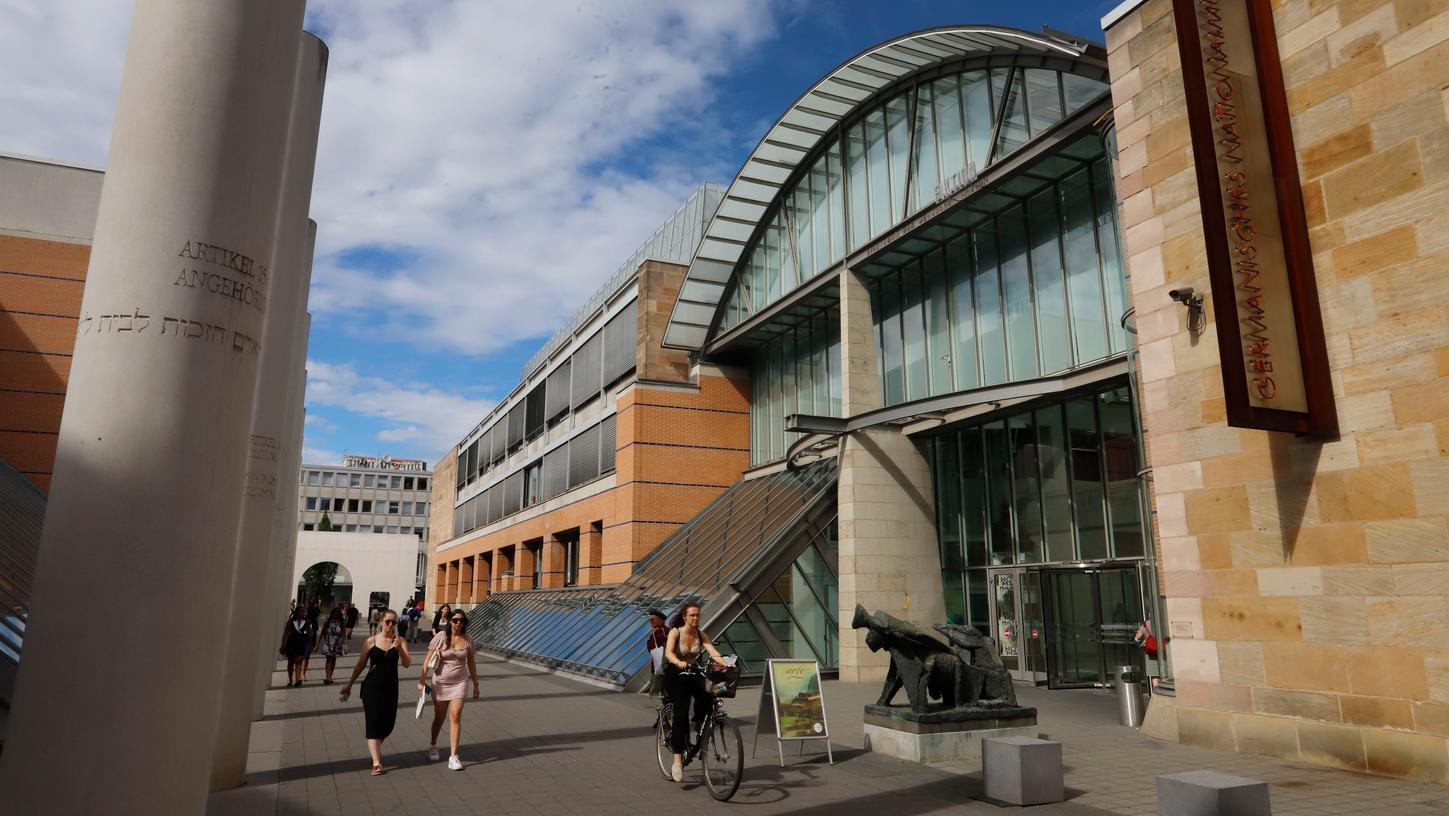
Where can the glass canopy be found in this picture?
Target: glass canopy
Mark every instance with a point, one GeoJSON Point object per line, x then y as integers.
{"type": "Point", "coordinates": [761, 557]}
{"type": "Point", "coordinates": [905, 153]}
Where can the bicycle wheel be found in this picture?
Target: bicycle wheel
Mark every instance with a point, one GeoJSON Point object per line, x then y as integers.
{"type": "Point", "coordinates": [661, 742]}
{"type": "Point", "coordinates": [723, 759]}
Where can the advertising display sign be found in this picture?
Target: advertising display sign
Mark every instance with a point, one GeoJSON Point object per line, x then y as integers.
{"type": "Point", "coordinates": [1265, 299]}
{"type": "Point", "coordinates": [794, 700]}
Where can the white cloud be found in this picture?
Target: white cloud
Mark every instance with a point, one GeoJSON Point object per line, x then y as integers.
{"type": "Point", "coordinates": [427, 419]}
{"type": "Point", "coordinates": [495, 139]}
{"type": "Point", "coordinates": [62, 69]}
{"type": "Point", "coordinates": [319, 456]}
{"type": "Point", "coordinates": [319, 423]}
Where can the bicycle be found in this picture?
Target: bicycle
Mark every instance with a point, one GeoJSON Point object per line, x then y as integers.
{"type": "Point", "coordinates": [717, 741]}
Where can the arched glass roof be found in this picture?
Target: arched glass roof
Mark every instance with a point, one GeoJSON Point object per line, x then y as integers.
{"type": "Point", "coordinates": [813, 120]}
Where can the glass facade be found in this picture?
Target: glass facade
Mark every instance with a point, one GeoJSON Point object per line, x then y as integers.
{"type": "Point", "coordinates": [1053, 483]}
{"type": "Point", "coordinates": [889, 162]}
{"type": "Point", "coordinates": [1034, 290]}
{"type": "Point", "coordinates": [798, 372]}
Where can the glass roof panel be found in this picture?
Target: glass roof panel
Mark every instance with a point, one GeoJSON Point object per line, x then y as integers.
{"type": "Point", "coordinates": [599, 631]}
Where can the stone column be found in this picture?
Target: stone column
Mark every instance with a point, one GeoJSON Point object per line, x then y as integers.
{"type": "Point", "coordinates": [553, 562]}
{"type": "Point", "coordinates": [523, 567]}
{"type": "Point", "coordinates": [482, 577]}
{"type": "Point", "coordinates": [465, 581]}
{"type": "Point", "coordinates": [146, 498]}
{"type": "Point", "coordinates": [887, 518]}
{"type": "Point", "coordinates": [283, 554]}
{"type": "Point", "coordinates": [271, 413]}
{"type": "Point", "coordinates": [591, 554]}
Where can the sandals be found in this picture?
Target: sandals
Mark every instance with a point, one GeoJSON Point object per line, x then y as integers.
{"type": "Point", "coordinates": [377, 770]}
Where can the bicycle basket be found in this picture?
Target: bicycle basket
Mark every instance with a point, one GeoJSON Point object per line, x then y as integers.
{"type": "Point", "coordinates": [724, 680]}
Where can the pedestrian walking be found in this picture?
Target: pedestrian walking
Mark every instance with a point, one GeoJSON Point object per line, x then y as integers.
{"type": "Point", "coordinates": [374, 620]}
{"type": "Point", "coordinates": [440, 618]}
{"type": "Point", "coordinates": [450, 680]}
{"type": "Point", "coordinates": [403, 620]}
{"type": "Point", "coordinates": [415, 616]}
{"type": "Point", "coordinates": [351, 619]}
{"type": "Point", "coordinates": [383, 653]}
{"type": "Point", "coordinates": [296, 634]}
{"type": "Point", "coordinates": [314, 615]}
{"type": "Point", "coordinates": [332, 642]}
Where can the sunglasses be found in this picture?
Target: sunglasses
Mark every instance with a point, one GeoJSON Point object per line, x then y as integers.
{"type": "Point", "coordinates": [389, 621]}
{"type": "Point", "coordinates": [456, 620]}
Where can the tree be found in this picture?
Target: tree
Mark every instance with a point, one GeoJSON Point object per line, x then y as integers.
{"type": "Point", "coordinates": [317, 581]}
{"type": "Point", "coordinates": [325, 525]}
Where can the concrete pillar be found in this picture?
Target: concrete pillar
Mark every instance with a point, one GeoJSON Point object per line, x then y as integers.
{"type": "Point", "coordinates": [465, 581]}
{"type": "Point", "coordinates": [271, 414]}
{"type": "Point", "coordinates": [450, 591]}
{"type": "Point", "coordinates": [591, 554]}
{"type": "Point", "coordinates": [440, 591]}
{"type": "Point", "coordinates": [279, 587]}
{"type": "Point", "coordinates": [553, 562]}
{"type": "Point", "coordinates": [523, 569]}
{"type": "Point", "coordinates": [148, 481]}
{"type": "Point", "coordinates": [887, 516]}
{"type": "Point", "coordinates": [481, 577]}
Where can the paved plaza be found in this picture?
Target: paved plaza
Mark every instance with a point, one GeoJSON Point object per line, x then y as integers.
{"type": "Point", "coordinates": [541, 743]}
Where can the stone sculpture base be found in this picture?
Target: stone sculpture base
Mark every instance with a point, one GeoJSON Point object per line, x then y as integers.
{"type": "Point", "coordinates": [942, 735]}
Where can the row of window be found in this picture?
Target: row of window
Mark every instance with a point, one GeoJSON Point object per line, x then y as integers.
{"type": "Point", "coordinates": [1036, 290]}
{"type": "Point", "coordinates": [584, 458]}
{"type": "Point", "coordinates": [1057, 483]}
{"type": "Point", "coordinates": [605, 358]}
{"type": "Point", "coordinates": [326, 478]}
{"type": "Point", "coordinates": [341, 505]}
{"type": "Point", "coordinates": [798, 372]}
{"type": "Point", "coordinates": [421, 532]}
{"type": "Point", "coordinates": [899, 157]}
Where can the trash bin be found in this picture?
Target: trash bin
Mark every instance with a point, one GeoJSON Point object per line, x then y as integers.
{"type": "Point", "coordinates": [1131, 706]}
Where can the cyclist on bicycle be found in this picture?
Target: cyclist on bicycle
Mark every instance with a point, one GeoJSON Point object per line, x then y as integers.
{"type": "Point", "coordinates": [687, 642]}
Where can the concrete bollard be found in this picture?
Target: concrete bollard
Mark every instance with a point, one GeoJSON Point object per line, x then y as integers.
{"type": "Point", "coordinates": [1022, 770]}
{"type": "Point", "coordinates": [1209, 793]}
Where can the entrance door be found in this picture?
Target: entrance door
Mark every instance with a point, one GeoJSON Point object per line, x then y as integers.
{"type": "Point", "coordinates": [1091, 616]}
{"type": "Point", "coordinates": [1017, 622]}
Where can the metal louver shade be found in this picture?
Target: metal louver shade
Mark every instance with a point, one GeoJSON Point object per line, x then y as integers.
{"type": "Point", "coordinates": [586, 363]}
{"type": "Point", "coordinates": [620, 343]}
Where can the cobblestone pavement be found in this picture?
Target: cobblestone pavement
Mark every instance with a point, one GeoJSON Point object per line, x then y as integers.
{"type": "Point", "coordinates": [544, 744]}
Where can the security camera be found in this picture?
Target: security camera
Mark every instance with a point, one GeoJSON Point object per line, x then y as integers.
{"type": "Point", "coordinates": [1183, 295]}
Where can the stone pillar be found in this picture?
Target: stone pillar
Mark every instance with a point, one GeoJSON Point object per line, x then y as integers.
{"type": "Point", "coordinates": [553, 562]}
{"type": "Point", "coordinates": [148, 479]}
{"type": "Point", "coordinates": [465, 581]}
{"type": "Point", "coordinates": [440, 586]}
{"type": "Point", "coordinates": [450, 590]}
{"type": "Point", "coordinates": [887, 517]}
{"type": "Point", "coordinates": [271, 408]}
{"type": "Point", "coordinates": [482, 577]}
{"type": "Point", "coordinates": [523, 569]}
{"type": "Point", "coordinates": [283, 555]}
{"type": "Point", "coordinates": [591, 554]}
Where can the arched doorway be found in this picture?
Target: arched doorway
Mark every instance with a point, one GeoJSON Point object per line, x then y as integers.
{"type": "Point", "coordinates": [327, 581]}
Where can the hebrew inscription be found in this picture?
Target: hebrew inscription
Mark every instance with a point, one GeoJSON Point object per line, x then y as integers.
{"type": "Point", "coordinates": [107, 323]}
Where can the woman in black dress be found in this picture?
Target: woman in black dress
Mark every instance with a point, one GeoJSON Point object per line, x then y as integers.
{"type": "Point", "coordinates": [296, 635]}
{"type": "Point", "coordinates": [382, 652]}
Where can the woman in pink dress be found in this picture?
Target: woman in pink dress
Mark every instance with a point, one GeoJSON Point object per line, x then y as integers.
{"type": "Point", "coordinates": [450, 683]}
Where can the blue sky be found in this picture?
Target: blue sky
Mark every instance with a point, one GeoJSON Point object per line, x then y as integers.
{"type": "Point", "coordinates": [484, 166]}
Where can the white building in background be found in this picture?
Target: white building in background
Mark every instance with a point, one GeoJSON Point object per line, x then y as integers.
{"type": "Point", "coordinates": [367, 494]}
{"type": "Point", "coordinates": [379, 568]}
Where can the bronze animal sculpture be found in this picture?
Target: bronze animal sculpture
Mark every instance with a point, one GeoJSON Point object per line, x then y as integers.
{"type": "Point", "coordinates": [954, 664]}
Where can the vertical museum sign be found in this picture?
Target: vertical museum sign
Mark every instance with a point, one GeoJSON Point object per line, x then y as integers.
{"type": "Point", "coordinates": [1270, 332]}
